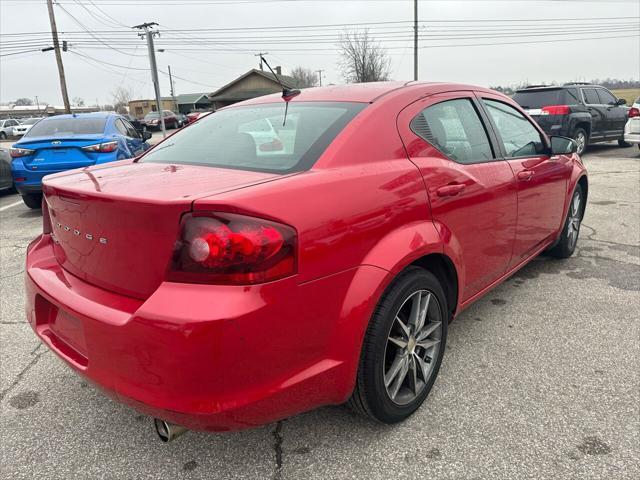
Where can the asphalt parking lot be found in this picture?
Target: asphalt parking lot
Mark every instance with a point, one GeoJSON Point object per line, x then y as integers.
{"type": "Point", "coordinates": [541, 380]}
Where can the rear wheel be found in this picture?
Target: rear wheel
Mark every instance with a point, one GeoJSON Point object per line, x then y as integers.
{"type": "Point", "coordinates": [581, 138]}
{"type": "Point", "coordinates": [32, 200]}
{"type": "Point", "coordinates": [3, 136]}
{"type": "Point", "coordinates": [402, 349]}
{"type": "Point", "coordinates": [569, 237]}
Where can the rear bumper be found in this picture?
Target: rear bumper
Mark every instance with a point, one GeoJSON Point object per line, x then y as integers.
{"type": "Point", "coordinates": [203, 356]}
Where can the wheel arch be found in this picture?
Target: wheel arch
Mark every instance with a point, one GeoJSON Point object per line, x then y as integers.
{"type": "Point", "coordinates": [584, 185]}
{"type": "Point", "coordinates": [443, 268]}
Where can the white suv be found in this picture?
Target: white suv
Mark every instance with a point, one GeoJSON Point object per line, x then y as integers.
{"type": "Point", "coordinates": [632, 128]}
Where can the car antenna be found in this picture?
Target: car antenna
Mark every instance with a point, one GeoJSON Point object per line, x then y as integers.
{"type": "Point", "coordinates": [287, 93]}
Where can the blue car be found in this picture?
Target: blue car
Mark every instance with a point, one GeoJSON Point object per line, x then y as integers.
{"type": "Point", "coordinates": [64, 142]}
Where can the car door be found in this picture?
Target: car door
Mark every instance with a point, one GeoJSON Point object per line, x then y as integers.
{"type": "Point", "coordinates": [599, 122]}
{"type": "Point", "coordinates": [616, 114]}
{"type": "Point", "coordinates": [471, 192]}
{"type": "Point", "coordinates": [540, 178]}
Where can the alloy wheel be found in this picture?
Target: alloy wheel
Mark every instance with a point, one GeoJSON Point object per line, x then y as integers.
{"type": "Point", "coordinates": [412, 347]}
{"type": "Point", "coordinates": [573, 227]}
{"type": "Point", "coordinates": [581, 140]}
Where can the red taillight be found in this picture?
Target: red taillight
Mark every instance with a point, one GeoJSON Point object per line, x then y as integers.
{"type": "Point", "coordinates": [46, 217]}
{"type": "Point", "coordinates": [634, 112]}
{"type": "Point", "coordinates": [230, 249]}
{"type": "Point", "coordinates": [20, 152]}
{"type": "Point", "coordinates": [555, 110]}
{"type": "Point", "coordinates": [106, 147]}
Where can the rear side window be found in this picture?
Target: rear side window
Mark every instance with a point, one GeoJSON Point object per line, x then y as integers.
{"type": "Point", "coordinates": [454, 128]}
{"type": "Point", "coordinates": [61, 127]}
{"type": "Point", "coordinates": [121, 127]}
{"type": "Point", "coordinates": [254, 137]}
{"type": "Point", "coordinates": [590, 96]}
{"type": "Point", "coordinates": [519, 137]}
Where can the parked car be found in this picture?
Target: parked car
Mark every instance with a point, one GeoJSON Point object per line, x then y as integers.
{"type": "Point", "coordinates": [152, 120]}
{"type": "Point", "coordinates": [24, 126]}
{"type": "Point", "coordinates": [193, 116]}
{"type": "Point", "coordinates": [65, 142]}
{"type": "Point", "coordinates": [6, 180]}
{"type": "Point", "coordinates": [215, 287]}
{"type": "Point", "coordinates": [585, 112]}
{"type": "Point", "coordinates": [632, 128]}
{"type": "Point", "coordinates": [7, 128]}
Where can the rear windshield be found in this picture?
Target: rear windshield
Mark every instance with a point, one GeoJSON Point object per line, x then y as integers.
{"type": "Point", "coordinates": [152, 115]}
{"type": "Point", "coordinates": [254, 137]}
{"type": "Point", "coordinates": [67, 126]}
{"type": "Point", "coordinates": [543, 98]}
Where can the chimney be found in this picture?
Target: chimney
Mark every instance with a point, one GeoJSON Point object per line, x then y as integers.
{"type": "Point", "coordinates": [279, 70]}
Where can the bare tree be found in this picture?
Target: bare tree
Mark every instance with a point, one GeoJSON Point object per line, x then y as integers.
{"type": "Point", "coordinates": [24, 102]}
{"type": "Point", "coordinates": [120, 98]}
{"type": "Point", "coordinates": [78, 101]}
{"type": "Point", "coordinates": [363, 59]}
{"type": "Point", "coordinates": [305, 77]}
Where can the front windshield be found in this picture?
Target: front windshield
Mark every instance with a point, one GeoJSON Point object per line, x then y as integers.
{"type": "Point", "coordinates": [31, 121]}
{"type": "Point", "coordinates": [254, 137]}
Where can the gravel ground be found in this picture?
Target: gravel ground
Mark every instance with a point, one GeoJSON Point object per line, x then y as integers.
{"type": "Point", "coordinates": [540, 380]}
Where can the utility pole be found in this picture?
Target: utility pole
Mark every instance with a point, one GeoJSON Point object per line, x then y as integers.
{"type": "Point", "coordinates": [173, 95]}
{"type": "Point", "coordinates": [56, 47]}
{"type": "Point", "coordinates": [37, 104]}
{"type": "Point", "coordinates": [260, 54]}
{"type": "Point", "coordinates": [149, 33]}
{"type": "Point", "coordinates": [320, 77]}
{"type": "Point", "coordinates": [415, 39]}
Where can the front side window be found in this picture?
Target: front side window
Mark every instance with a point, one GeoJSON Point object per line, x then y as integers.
{"type": "Point", "coordinates": [454, 128]}
{"type": "Point", "coordinates": [519, 137]}
{"type": "Point", "coordinates": [60, 127]}
{"type": "Point", "coordinates": [590, 96]}
{"type": "Point", "coordinates": [254, 137]}
{"type": "Point", "coordinates": [606, 98]}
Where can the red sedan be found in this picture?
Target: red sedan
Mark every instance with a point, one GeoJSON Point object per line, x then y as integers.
{"type": "Point", "coordinates": [217, 285]}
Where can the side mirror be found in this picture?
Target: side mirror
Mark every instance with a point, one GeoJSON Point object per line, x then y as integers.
{"type": "Point", "coordinates": [563, 145]}
{"type": "Point", "coordinates": [146, 135]}
{"type": "Point", "coordinates": [621, 101]}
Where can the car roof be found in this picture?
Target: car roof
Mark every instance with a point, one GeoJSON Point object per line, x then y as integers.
{"type": "Point", "coordinates": [104, 115]}
{"type": "Point", "coordinates": [362, 92]}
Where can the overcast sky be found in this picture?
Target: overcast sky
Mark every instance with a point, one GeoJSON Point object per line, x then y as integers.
{"type": "Point", "coordinates": [506, 60]}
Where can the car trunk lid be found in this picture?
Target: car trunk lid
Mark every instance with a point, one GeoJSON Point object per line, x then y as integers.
{"type": "Point", "coordinates": [60, 153]}
{"type": "Point", "coordinates": [115, 226]}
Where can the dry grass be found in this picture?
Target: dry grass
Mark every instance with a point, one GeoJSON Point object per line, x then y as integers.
{"type": "Point", "coordinates": [629, 94]}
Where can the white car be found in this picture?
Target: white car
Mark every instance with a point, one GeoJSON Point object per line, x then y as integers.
{"type": "Point", "coordinates": [7, 128]}
{"type": "Point", "coordinates": [632, 128]}
{"type": "Point", "coordinates": [24, 127]}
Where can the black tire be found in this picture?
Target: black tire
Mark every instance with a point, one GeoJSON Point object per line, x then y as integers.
{"type": "Point", "coordinates": [3, 136]}
{"type": "Point", "coordinates": [370, 396]}
{"type": "Point", "coordinates": [566, 244]}
{"type": "Point", "coordinates": [582, 139]}
{"type": "Point", "coordinates": [32, 200]}
{"type": "Point", "coordinates": [623, 144]}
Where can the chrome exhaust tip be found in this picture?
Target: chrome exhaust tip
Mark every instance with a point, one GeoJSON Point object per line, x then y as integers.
{"type": "Point", "coordinates": [168, 431]}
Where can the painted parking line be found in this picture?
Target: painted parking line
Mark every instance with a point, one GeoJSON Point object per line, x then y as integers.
{"type": "Point", "coordinates": [7, 207]}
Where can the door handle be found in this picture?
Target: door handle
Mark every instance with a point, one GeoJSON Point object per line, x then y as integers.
{"type": "Point", "coordinates": [525, 175]}
{"type": "Point", "coordinates": [450, 190]}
